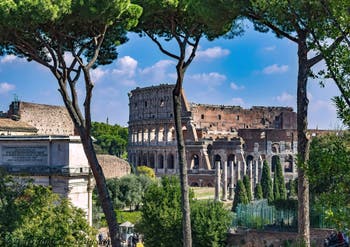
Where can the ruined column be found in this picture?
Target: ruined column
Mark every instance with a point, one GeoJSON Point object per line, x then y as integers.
{"type": "Point", "coordinates": [217, 180]}
{"type": "Point", "coordinates": [256, 175]}
{"type": "Point", "coordinates": [238, 170]}
{"type": "Point", "coordinates": [250, 175]}
{"type": "Point", "coordinates": [244, 167]}
{"type": "Point", "coordinates": [224, 189]}
{"type": "Point", "coordinates": [232, 180]}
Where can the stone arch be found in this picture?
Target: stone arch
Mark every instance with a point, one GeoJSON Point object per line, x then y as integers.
{"type": "Point", "coordinates": [230, 157]}
{"type": "Point", "coordinates": [249, 159]}
{"type": "Point", "coordinates": [151, 160]}
{"type": "Point", "coordinates": [194, 184]}
{"type": "Point", "coordinates": [144, 160]}
{"type": "Point", "coordinates": [288, 163]}
{"type": "Point", "coordinates": [160, 161]}
{"type": "Point", "coordinates": [139, 159]}
{"type": "Point", "coordinates": [217, 159]}
{"type": "Point", "coordinates": [275, 148]}
{"type": "Point", "coordinates": [195, 162]}
{"type": "Point", "coordinates": [170, 161]}
{"type": "Point", "coordinates": [274, 160]}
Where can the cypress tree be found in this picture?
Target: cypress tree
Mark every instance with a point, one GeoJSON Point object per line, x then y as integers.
{"type": "Point", "coordinates": [240, 195]}
{"type": "Point", "coordinates": [276, 187]}
{"type": "Point", "coordinates": [258, 192]}
{"type": "Point", "coordinates": [266, 182]}
{"type": "Point", "coordinates": [280, 181]}
{"type": "Point", "coordinates": [246, 182]}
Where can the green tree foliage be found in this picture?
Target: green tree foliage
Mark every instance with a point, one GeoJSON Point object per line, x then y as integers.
{"type": "Point", "coordinates": [279, 187]}
{"type": "Point", "coordinates": [161, 217]}
{"type": "Point", "coordinates": [147, 171]}
{"type": "Point", "coordinates": [329, 176]}
{"type": "Point", "coordinates": [246, 182]}
{"type": "Point", "coordinates": [128, 191]}
{"type": "Point", "coordinates": [185, 22]}
{"type": "Point", "coordinates": [266, 182]}
{"type": "Point", "coordinates": [258, 194]}
{"type": "Point", "coordinates": [69, 38]}
{"type": "Point", "coordinates": [210, 223]}
{"type": "Point", "coordinates": [32, 215]}
{"type": "Point", "coordinates": [240, 195]}
{"type": "Point", "coordinates": [112, 139]}
{"type": "Point", "coordinates": [292, 188]}
{"type": "Point", "coordinates": [161, 214]}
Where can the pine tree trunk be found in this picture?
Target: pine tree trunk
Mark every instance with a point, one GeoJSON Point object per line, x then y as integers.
{"type": "Point", "coordinates": [100, 180]}
{"type": "Point", "coordinates": [303, 143]}
{"type": "Point", "coordinates": [186, 217]}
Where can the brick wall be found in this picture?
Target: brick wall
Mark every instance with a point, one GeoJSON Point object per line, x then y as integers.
{"type": "Point", "coordinates": [48, 119]}
{"type": "Point", "coordinates": [112, 166]}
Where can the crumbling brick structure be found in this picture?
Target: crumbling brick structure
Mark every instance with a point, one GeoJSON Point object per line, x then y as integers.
{"type": "Point", "coordinates": [223, 143]}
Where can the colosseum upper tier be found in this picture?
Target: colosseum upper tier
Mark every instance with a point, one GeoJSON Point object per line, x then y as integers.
{"type": "Point", "coordinates": [235, 139]}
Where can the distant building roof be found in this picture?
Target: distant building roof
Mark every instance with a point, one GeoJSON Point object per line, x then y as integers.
{"type": "Point", "coordinates": [7, 124]}
{"type": "Point", "coordinates": [112, 166]}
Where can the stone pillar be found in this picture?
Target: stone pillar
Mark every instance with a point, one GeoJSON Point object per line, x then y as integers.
{"type": "Point", "coordinates": [232, 180]}
{"type": "Point", "coordinates": [238, 170]}
{"type": "Point", "coordinates": [244, 167]}
{"type": "Point", "coordinates": [224, 185]}
{"type": "Point", "coordinates": [250, 175]}
{"type": "Point", "coordinates": [217, 180]}
{"type": "Point", "coordinates": [256, 174]}
{"type": "Point", "coordinates": [90, 188]}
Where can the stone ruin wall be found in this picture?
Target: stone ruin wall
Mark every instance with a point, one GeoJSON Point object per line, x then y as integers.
{"type": "Point", "coordinates": [212, 134]}
{"type": "Point", "coordinates": [48, 119]}
{"type": "Point", "coordinates": [229, 118]}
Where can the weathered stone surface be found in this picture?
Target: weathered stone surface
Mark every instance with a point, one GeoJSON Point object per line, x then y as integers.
{"type": "Point", "coordinates": [214, 134]}
{"type": "Point", "coordinates": [112, 166]}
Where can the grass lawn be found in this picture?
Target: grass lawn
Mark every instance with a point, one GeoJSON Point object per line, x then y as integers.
{"type": "Point", "coordinates": [204, 192]}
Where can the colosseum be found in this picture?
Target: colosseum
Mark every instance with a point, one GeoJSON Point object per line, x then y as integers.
{"type": "Point", "coordinates": [223, 143]}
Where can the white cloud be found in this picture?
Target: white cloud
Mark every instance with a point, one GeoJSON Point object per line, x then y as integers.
{"type": "Point", "coordinates": [234, 86]}
{"type": "Point", "coordinates": [212, 78]}
{"type": "Point", "coordinates": [270, 48]}
{"type": "Point", "coordinates": [275, 69]}
{"type": "Point", "coordinates": [286, 98]}
{"type": "Point", "coordinates": [322, 114]}
{"type": "Point", "coordinates": [212, 53]}
{"type": "Point", "coordinates": [237, 101]}
{"type": "Point", "coordinates": [126, 66]}
{"type": "Point", "coordinates": [8, 59]}
{"type": "Point", "coordinates": [158, 73]}
{"type": "Point", "coordinates": [97, 74]}
{"type": "Point", "coordinates": [6, 87]}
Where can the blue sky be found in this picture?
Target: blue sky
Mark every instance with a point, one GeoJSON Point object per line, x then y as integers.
{"type": "Point", "coordinates": [252, 69]}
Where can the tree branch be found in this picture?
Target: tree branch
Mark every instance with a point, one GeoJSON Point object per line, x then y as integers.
{"type": "Point", "coordinates": [98, 43]}
{"type": "Point", "coordinates": [161, 47]}
{"type": "Point", "coordinates": [278, 31]}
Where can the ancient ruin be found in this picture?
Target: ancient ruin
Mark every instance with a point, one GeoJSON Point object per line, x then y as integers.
{"type": "Point", "coordinates": [39, 142]}
{"type": "Point", "coordinates": [223, 143]}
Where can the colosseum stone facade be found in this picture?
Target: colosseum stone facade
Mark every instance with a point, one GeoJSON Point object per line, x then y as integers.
{"type": "Point", "coordinates": [226, 140]}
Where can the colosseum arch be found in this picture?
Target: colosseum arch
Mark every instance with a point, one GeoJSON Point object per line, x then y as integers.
{"type": "Point", "coordinates": [275, 148]}
{"type": "Point", "coordinates": [230, 157]}
{"type": "Point", "coordinates": [144, 160]}
{"type": "Point", "coordinates": [151, 160]}
{"type": "Point", "coordinates": [160, 161]}
{"type": "Point", "coordinates": [288, 163]}
{"type": "Point", "coordinates": [274, 161]}
{"type": "Point", "coordinates": [170, 161]}
{"type": "Point", "coordinates": [217, 159]}
{"type": "Point", "coordinates": [249, 159]}
{"type": "Point", "coordinates": [195, 162]}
